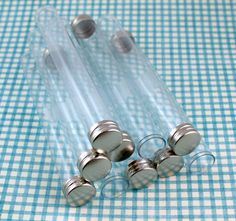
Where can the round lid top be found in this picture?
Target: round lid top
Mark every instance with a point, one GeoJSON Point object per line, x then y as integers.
{"type": "Point", "coordinates": [83, 26]}
{"type": "Point", "coordinates": [141, 173]}
{"type": "Point", "coordinates": [184, 139]}
{"type": "Point", "coordinates": [105, 136]}
{"type": "Point", "coordinates": [168, 163]}
{"type": "Point", "coordinates": [78, 191]}
{"type": "Point", "coordinates": [94, 165]}
{"type": "Point", "coordinates": [124, 150]}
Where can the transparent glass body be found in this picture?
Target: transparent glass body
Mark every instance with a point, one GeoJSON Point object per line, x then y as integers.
{"type": "Point", "coordinates": [63, 129]}
{"type": "Point", "coordinates": [138, 72]}
{"type": "Point", "coordinates": [150, 89]}
{"type": "Point", "coordinates": [116, 183]}
{"type": "Point", "coordinates": [62, 137]}
{"type": "Point", "coordinates": [119, 94]}
{"type": "Point", "coordinates": [63, 109]}
{"type": "Point", "coordinates": [83, 94]}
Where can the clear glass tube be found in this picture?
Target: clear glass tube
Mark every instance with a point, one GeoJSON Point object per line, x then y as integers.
{"type": "Point", "coordinates": [61, 137]}
{"type": "Point", "coordinates": [118, 94]}
{"type": "Point", "coordinates": [116, 183]}
{"type": "Point", "coordinates": [93, 165]}
{"type": "Point", "coordinates": [105, 73]}
{"type": "Point", "coordinates": [163, 108]}
{"type": "Point", "coordinates": [104, 133]}
{"type": "Point", "coordinates": [200, 160]}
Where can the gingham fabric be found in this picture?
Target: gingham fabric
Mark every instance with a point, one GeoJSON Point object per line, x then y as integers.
{"type": "Point", "coordinates": [193, 45]}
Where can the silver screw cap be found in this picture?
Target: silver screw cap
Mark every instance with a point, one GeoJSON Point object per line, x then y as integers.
{"type": "Point", "coordinates": [141, 173]}
{"type": "Point", "coordinates": [83, 26]}
{"type": "Point", "coordinates": [124, 150]}
{"type": "Point", "coordinates": [94, 165]}
{"type": "Point", "coordinates": [184, 139]}
{"type": "Point", "coordinates": [168, 163]}
{"type": "Point", "coordinates": [78, 191]}
{"type": "Point", "coordinates": [122, 41]}
{"type": "Point", "coordinates": [105, 136]}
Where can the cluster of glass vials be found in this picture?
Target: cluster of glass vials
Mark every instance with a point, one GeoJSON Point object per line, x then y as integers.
{"type": "Point", "coordinates": [110, 121]}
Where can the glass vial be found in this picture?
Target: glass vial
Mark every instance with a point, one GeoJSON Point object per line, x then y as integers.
{"type": "Point", "coordinates": [130, 174]}
{"type": "Point", "coordinates": [110, 80]}
{"type": "Point", "coordinates": [180, 134]}
{"type": "Point", "coordinates": [77, 190]}
{"type": "Point", "coordinates": [104, 133]}
{"type": "Point", "coordinates": [93, 164]}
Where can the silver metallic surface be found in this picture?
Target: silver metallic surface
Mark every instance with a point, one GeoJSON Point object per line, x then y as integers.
{"type": "Point", "coordinates": [124, 150]}
{"type": "Point", "coordinates": [122, 41]}
{"type": "Point", "coordinates": [184, 139]}
{"type": "Point", "coordinates": [141, 173]}
{"type": "Point", "coordinates": [103, 122]}
{"type": "Point", "coordinates": [94, 165]}
{"type": "Point", "coordinates": [83, 26]}
{"type": "Point", "coordinates": [168, 163]}
{"type": "Point", "coordinates": [78, 191]}
{"type": "Point", "coordinates": [105, 135]}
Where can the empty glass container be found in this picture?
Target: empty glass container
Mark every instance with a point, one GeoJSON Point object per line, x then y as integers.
{"type": "Point", "coordinates": [93, 163]}
{"type": "Point", "coordinates": [163, 109]}
{"type": "Point", "coordinates": [104, 133]}
{"type": "Point", "coordinates": [61, 134]}
{"type": "Point", "coordinates": [109, 78]}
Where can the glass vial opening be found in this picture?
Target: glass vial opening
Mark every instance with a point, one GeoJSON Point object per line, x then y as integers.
{"type": "Point", "coordinates": [201, 162]}
{"type": "Point", "coordinates": [149, 145]}
{"type": "Point", "coordinates": [114, 187]}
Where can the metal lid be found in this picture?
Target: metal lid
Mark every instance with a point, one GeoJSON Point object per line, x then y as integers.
{"type": "Point", "coordinates": [47, 58]}
{"type": "Point", "coordinates": [184, 139]}
{"type": "Point", "coordinates": [103, 122]}
{"type": "Point", "coordinates": [94, 165]}
{"type": "Point", "coordinates": [124, 150]}
{"type": "Point", "coordinates": [105, 135]}
{"type": "Point", "coordinates": [168, 163]}
{"type": "Point", "coordinates": [141, 173]}
{"type": "Point", "coordinates": [78, 191]}
{"type": "Point", "coordinates": [83, 26]}
{"type": "Point", "coordinates": [123, 41]}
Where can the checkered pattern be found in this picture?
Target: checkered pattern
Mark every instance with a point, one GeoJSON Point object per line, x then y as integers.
{"type": "Point", "coordinates": [193, 44]}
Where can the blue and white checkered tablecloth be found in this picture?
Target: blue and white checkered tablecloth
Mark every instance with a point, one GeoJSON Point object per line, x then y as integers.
{"type": "Point", "coordinates": [193, 44]}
